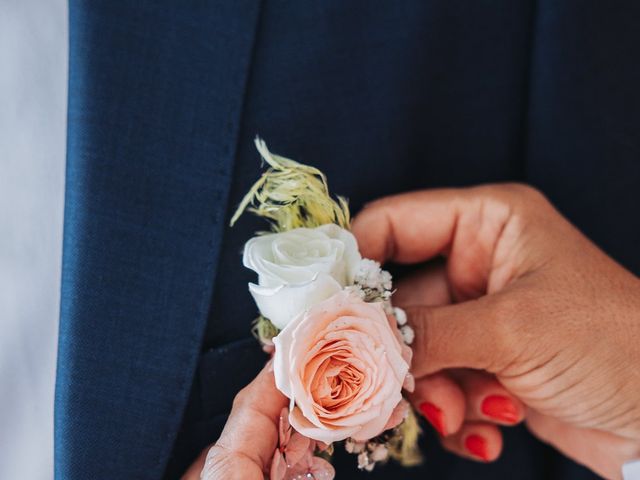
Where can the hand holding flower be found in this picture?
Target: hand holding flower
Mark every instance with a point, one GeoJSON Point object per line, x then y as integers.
{"type": "Point", "coordinates": [524, 318]}
{"type": "Point", "coordinates": [527, 319]}
{"type": "Point", "coordinates": [246, 446]}
{"type": "Point", "coordinates": [258, 441]}
{"type": "Point", "coordinates": [341, 353]}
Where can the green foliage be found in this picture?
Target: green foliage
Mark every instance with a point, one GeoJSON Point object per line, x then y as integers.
{"type": "Point", "coordinates": [264, 330]}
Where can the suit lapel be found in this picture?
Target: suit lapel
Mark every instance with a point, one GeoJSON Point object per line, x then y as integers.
{"type": "Point", "coordinates": [155, 99]}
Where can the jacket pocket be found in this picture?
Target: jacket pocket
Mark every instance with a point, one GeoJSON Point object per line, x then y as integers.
{"type": "Point", "coordinates": [224, 371]}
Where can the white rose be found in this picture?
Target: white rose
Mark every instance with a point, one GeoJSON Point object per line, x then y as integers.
{"type": "Point", "coordinates": [299, 268]}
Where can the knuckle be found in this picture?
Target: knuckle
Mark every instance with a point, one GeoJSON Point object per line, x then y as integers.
{"type": "Point", "coordinates": [516, 193]}
{"type": "Point", "coordinates": [514, 320]}
{"type": "Point", "coordinates": [242, 398]}
{"type": "Point", "coordinates": [505, 314]}
{"type": "Point", "coordinates": [528, 196]}
{"type": "Point", "coordinates": [522, 189]}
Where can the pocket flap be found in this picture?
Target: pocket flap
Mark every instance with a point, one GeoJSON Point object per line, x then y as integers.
{"type": "Point", "coordinates": [225, 370]}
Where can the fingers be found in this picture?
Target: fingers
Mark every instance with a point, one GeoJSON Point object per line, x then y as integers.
{"type": "Point", "coordinates": [465, 407]}
{"type": "Point", "coordinates": [465, 224]}
{"type": "Point", "coordinates": [408, 228]}
{"type": "Point", "coordinates": [476, 441]}
{"type": "Point", "coordinates": [246, 445]}
{"type": "Point", "coordinates": [441, 401]}
{"type": "Point", "coordinates": [196, 467]}
{"type": "Point", "coordinates": [470, 334]}
{"type": "Point", "coordinates": [427, 287]}
{"type": "Point", "coordinates": [479, 229]}
{"type": "Point", "coordinates": [448, 399]}
{"type": "Point", "coordinates": [487, 400]}
{"type": "Point", "coordinates": [473, 334]}
{"type": "Point", "coordinates": [602, 452]}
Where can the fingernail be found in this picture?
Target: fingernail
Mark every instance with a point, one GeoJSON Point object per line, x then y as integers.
{"type": "Point", "coordinates": [501, 408]}
{"type": "Point", "coordinates": [477, 446]}
{"type": "Point", "coordinates": [434, 415]}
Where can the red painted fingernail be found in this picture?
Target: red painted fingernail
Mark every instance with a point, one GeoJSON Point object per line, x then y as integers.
{"type": "Point", "coordinates": [477, 446]}
{"type": "Point", "coordinates": [501, 408]}
{"type": "Point", "coordinates": [434, 415]}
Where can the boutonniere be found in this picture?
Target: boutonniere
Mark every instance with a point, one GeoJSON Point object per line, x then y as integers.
{"type": "Point", "coordinates": [341, 350]}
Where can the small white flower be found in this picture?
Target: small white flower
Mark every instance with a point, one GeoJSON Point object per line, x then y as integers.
{"type": "Point", "coordinates": [370, 275]}
{"type": "Point", "coordinates": [408, 335]}
{"type": "Point", "coordinates": [364, 462]}
{"type": "Point", "coordinates": [352, 446]}
{"type": "Point", "coordinates": [386, 280]}
{"type": "Point", "coordinates": [356, 290]}
{"type": "Point", "coordinates": [379, 453]}
{"type": "Point", "coordinates": [401, 316]}
{"type": "Point", "coordinates": [375, 282]}
{"type": "Point", "coordinates": [299, 268]}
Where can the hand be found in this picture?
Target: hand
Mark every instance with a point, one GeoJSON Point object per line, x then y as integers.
{"type": "Point", "coordinates": [526, 317]}
{"type": "Point", "coordinates": [245, 447]}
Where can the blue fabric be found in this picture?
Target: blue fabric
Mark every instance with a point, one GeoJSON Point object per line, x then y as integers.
{"type": "Point", "coordinates": [165, 99]}
{"type": "Point", "coordinates": [151, 140]}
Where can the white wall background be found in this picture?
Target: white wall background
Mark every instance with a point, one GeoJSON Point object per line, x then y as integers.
{"type": "Point", "coordinates": [33, 100]}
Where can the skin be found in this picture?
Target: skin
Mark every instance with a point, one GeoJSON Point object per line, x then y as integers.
{"type": "Point", "coordinates": [250, 436]}
{"type": "Point", "coordinates": [512, 302]}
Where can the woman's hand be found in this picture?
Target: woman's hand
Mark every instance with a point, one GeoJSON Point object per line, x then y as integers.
{"type": "Point", "coordinates": [245, 447]}
{"type": "Point", "coordinates": [526, 318]}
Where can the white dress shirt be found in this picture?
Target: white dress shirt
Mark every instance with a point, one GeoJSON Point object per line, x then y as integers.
{"type": "Point", "coordinates": [33, 103]}
{"type": "Point", "coordinates": [631, 470]}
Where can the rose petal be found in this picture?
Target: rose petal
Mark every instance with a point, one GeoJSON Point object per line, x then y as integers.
{"type": "Point", "coordinates": [284, 428]}
{"type": "Point", "coordinates": [376, 426]}
{"type": "Point", "coordinates": [306, 428]}
{"type": "Point", "coordinates": [409, 383]}
{"type": "Point", "coordinates": [398, 415]}
{"type": "Point", "coordinates": [278, 467]}
{"type": "Point", "coordinates": [321, 469]}
{"type": "Point", "coordinates": [283, 303]}
{"type": "Point", "coordinates": [296, 448]}
{"type": "Point", "coordinates": [321, 446]}
{"type": "Point", "coordinates": [287, 262]}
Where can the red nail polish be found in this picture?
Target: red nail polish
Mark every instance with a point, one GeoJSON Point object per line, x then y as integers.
{"type": "Point", "coordinates": [477, 446]}
{"type": "Point", "coordinates": [434, 415]}
{"type": "Point", "coordinates": [501, 408]}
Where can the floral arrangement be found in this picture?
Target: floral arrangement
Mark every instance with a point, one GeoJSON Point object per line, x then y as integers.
{"type": "Point", "coordinates": [341, 350]}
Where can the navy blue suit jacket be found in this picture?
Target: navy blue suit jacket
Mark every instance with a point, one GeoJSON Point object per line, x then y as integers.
{"type": "Point", "coordinates": [165, 98]}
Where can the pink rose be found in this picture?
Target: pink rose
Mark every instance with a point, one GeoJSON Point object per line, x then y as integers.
{"type": "Point", "coordinates": [343, 366]}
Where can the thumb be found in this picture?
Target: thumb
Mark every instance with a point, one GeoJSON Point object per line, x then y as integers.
{"type": "Point", "coordinates": [474, 334]}
{"type": "Point", "coordinates": [250, 436]}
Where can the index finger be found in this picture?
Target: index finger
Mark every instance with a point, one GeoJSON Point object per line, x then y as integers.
{"type": "Point", "coordinates": [409, 227]}
{"type": "Point", "coordinates": [466, 224]}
